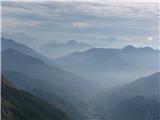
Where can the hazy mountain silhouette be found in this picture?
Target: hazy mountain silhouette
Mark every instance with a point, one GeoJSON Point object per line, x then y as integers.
{"type": "Point", "coordinates": [9, 43]}
{"type": "Point", "coordinates": [57, 49]}
{"type": "Point", "coordinates": [120, 65]}
{"type": "Point", "coordinates": [23, 38]}
{"type": "Point", "coordinates": [31, 72]}
{"type": "Point", "coordinates": [136, 108]}
{"type": "Point", "coordinates": [136, 100]}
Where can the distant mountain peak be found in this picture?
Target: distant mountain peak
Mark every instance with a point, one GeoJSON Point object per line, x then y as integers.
{"type": "Point", "coordinates": [129, 47]}
{"type": "Point", "coordinates": [156, 75]}
{"type": "Point", "coordinates": [10, 43]}
{"type": "Point", "coordinates": [8, 40]}
{"type": "Point", "coordinates": [74, 42]}
{"type": "Point", "coordinates": [146, 48]}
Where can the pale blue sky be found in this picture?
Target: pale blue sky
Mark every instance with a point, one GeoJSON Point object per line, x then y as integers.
{"type": "Point", "coordinates": [90, 22]}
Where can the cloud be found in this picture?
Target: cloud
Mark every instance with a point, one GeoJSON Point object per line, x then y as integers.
{"type": "Point", "coordinates": [149, 38]}
{"type": "Point", "coordinates": [103, 1]}
{"type": "Point", "coordinates": [47, 19]}
{"type": "Point", "coordinates": [80, 25]}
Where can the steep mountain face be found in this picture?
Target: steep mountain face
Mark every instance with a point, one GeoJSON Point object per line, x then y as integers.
{"type": "Point", "coordinates": [118, 65]}
{"type": "Point", "coordinates": [9, 43]}
{"type": "Point", "coordinates": [47, 81]}
{"type": "Point", "coordinates": [137, 100]}
{"type": "Point", "coordinates": [47, 91]}
{"type": "Point", "coordinates": [20, 105]}
{"type": "Point", "coordinates": [56, 49]}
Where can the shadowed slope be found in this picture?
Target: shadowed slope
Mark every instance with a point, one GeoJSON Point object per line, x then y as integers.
{"type": "Point", "coordinates": [20, 105]}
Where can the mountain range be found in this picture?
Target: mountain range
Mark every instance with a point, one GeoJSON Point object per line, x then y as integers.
{"type": "Point", "coordinates": [32, 74]}
{"type": "Point", "coordinates": [22, 38]}
{"type": "Point", "coordinates": [52, 84]}
{"type": "Point", "coordinates": [9, 43]}
{"type": "Point", "coordinates": [59, 49]}
{"type": "Point", "coordinates": [138, 100]}
{"type": "Point", "coordinates": [97, 83]}
{"type": "Point", "coordinates": [108, 65]}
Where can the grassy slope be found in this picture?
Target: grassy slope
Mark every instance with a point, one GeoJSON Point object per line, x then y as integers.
{"type": "Point", "coordinates": [20, 105]}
